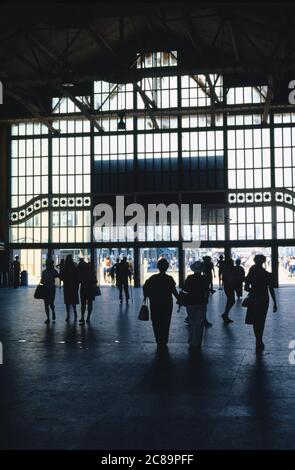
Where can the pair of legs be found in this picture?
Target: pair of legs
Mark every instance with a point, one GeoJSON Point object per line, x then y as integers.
{"type": "Point", "coordinates": [49, 303]}
{"type": "Point", "coordinates": [83, 310]}
{"type": "Point", "coordinates": [258, 328]}
{"type": "Point", "coordinates": [68, 309]}
{"type": "Point", "coordinates": [230, 296]}
{"type": "Point", "coordinates": [161, 319]}
{"type": "Point", "coordinates": [258, 331]}
{"type": "Point", "coordinates": [196, 322]}
{"type": "Point", "coordinates": [220, 279]}
{"type": "Point", "coordinates": [123, 285]}
{"type": "Point", "coordinates": [239, 290]}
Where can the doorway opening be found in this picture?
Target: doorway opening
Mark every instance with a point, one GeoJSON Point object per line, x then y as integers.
{"type": "Point", "coordinates": [33, 261]}
{"type": "Point", "coordinates": [197, 254]}
{"type": "Point", "coordinates": [106, 258]}
{"type": "Point", "coordinates": [286, 264]}
{"type": "Point", "coordinates": [149, 258]}
{"type": "Point", "coordinates": [246, 255]}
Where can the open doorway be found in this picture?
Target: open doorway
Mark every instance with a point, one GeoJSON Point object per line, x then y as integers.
{"type": "Point", "coordinates": [33, 261]}
{"type": "Point", "coordinates": [106, 258]}
{"type": "Point", "coordinates": [149, 258]}
{"type": "Point", "coordinates": [246, 255]}
{"type": "Point", "coordinates": [286, 264]}
{"type": "Point", "coordinates": [197, 254]}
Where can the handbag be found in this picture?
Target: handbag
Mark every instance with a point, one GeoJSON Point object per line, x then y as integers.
{"type": "Point", "coordinates": [246, 302]}
{"type": "Point", "coordinates": [184, 299]}
{"type": "Point", "coordinates": [97, 291]}
{"type": "Point", "coordinates": [144, 313]}
{"type": "Point", "coordinates": [40, 292]}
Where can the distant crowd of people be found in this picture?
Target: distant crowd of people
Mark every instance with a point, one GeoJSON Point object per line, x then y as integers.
{"type": "Point", "coordinates": [288, 263]}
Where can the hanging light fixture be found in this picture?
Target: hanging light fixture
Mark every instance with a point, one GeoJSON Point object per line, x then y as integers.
{"type": "Point", "coordinates": [67, 76]}
{"type": "Point", "coordinates": [121, 123]}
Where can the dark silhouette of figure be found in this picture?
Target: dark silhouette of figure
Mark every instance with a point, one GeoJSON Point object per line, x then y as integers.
{"type": "Point", "coordinates": [259, 283]}
{"type": "Point", "coordinates": [113, 271]}
{"type": "Point", "coordinates": [16, 271]}
{"type": "Point", "coordinates": [48, 280]}
{"type": "Point", "coordinates": [88, 281]}
{"type": "Point", "coordinates": [122, 277]}
{"type": "Point", "coordinates": [209, 272]}
{"type": "Point", "coordinates": [159, 288]}
{"type": "Point", "coordinates": [220, 265]}
{"type": "Point", "coordinates": [197, 286]}
{"type": "Point", "coordinates": [70, 281]}
{"type": "Point", "coordinates": [240, 278]}
{"type": "Point", "coordinates": [229, 282]}
{"type": "Point", "coordinates": [61, 266]}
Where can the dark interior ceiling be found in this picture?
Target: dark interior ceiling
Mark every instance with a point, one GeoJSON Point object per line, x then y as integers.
{"type": "Point", "coordinates": [100, 41]}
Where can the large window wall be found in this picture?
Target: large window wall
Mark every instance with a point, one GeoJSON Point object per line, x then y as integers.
{"type": "Point", "coordinates": [171, 139]}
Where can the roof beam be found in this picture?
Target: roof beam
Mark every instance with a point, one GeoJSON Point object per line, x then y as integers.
{"type": "Point", "coordinates": [268, 99]}
{"type": "Point", "coordinates": [232, 32]}
{"type": "Point", "coordinates": [33, 109]}
{"type": "Point", "coordinates": [198, 46]}
{"type": "Point", "coordinates": [101, 42]}
{"type": "Point", "coordinates": [85, 110]}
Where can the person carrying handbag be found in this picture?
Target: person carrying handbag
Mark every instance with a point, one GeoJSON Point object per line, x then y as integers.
{"type": "Point", "coordinates": [88, 290]}
{"type": "Point", "coordinates": [48, 281]}
{"type": "Point", "coordinates": [197, 287]}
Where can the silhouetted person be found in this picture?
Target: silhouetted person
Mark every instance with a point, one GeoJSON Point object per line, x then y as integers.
{"type": "Point", "coordinates": [113, 271]}
{"type": "Point", "coordinates": [48, 280]}
{"type": "Point", "coordinates": [197, 287]}
{"type": "Point", "coordinates": [88, 281]}
{"type": "Point", "coordinates": [220, 265]}
{"type": "Point", "coordinates": [229, 280]}
{"type": "Point", "coordinates": [16, 271]}
{"type": "Point", "coordinates": [61, 266]}
{"type": "Point", "coordinates": [159, 288]}
{"type": "Point", "coordinates": [70, 281]}
{"type": "Point", "coordinates": [240, 278]}
{"type": "Point", "coordinates": [122, 277]}
{"type": "Point", "coordinates": [209, 271]}
{"type": "Point", "coordinates": [259, 282]}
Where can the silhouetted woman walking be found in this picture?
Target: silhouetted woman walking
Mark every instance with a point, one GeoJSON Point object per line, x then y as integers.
{"type": "Point", "coordinates": [48, 280]}
{"type": "Point", "coordinates": [88, 283]}
{"type": "Point", "coordinates": [197, 287]}
{"type": "Point", "coordinates": [159, 288]}
{"type": "Point", "coordinates": [69, 277]}
{"type": "Point", "coordinates": [259, 282]}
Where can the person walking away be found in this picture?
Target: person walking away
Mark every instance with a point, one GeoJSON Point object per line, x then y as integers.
{"type": "Point", "coordinates": [240, 278]}
{"type": "Point", "coordinates": [114, 271]}
{"type": "Point", "coordinates": [16, 271]}
{"type": "Point", "coordinates": [160, 288]}
{"type": "Point", "coordinates": [71, 286]}
{"type": "Point", "coordinates": [209, 271]}
{"type": "Point", "coordinates": [60, 267]}
{"type": "Point", "coordinates": [197, 286]}
{"type": "Point", "coordinates": [88, 281]}
{"type": "Point", "coordinates": [259, 283]}
{"type": "Point", "coordinates": [122, 277]}
{"type": "Point", "coordinates": [220, 265]}
{"type": "Point", "coordinates": [48, 280]}
{"type": "Point", "coordinates": [229, 282]}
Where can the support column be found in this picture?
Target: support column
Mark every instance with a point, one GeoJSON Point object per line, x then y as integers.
{"type": "Point", "coordinates": [275, 264]}
{"type": "Point", "coordinates": [136, 260]}
{"type": "Point", "coordinates": [181, 264]}
{"type": "Point", "coordinates": [4, 194]}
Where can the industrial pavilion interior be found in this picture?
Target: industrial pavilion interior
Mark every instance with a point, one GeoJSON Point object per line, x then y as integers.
{"type": "Point", "coordinates": [175, 103]}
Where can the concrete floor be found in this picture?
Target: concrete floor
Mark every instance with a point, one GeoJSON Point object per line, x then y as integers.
{"type": "Point", "coordinates": [104, 387]}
